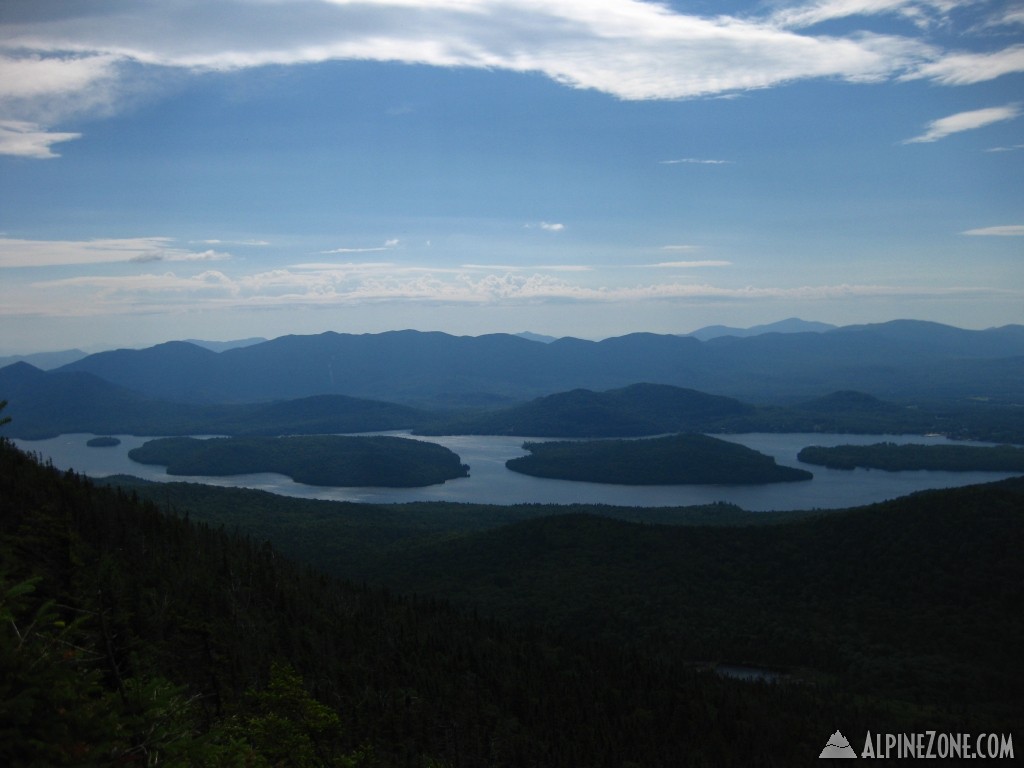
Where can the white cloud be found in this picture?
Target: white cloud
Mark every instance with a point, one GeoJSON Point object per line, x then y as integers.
{"type": "Point", "coordinates": [24, 139]}
{"type": "Point", "coordinates": [111, 286]}
{"type": "Point", "coordinates": [969, 68]}
{"type": "Point", "coordinates": [965, 121]}
{"type": "Point", "coordinates": [323, 285]}
{"type": "Point", "coordinates": [921, 12]}
{"type": "Point", "coordinates": [695, 161]}
{"type": "Point", "coordinates": [57, 65]}
{"type": "Point", "coordinates": [179, 255]}
{"type": "Point", "coordinates": [49, 253]}
{"type": "Point", "coordinates": [1009, 230]}
{"type": "Point", "coordinates": [51, 71]}
{"type": "Point", "coordinates": [691, 264]}
{"type": "Point", "coordinates": [527, 268]}
{"type": "Point", "coordinates": [388, 244]}
{"type": "Point", "coordinates": [374, 249]}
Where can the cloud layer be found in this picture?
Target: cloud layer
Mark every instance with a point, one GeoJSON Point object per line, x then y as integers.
{"type": "Point", "coordinates": [114, 277]}
{"type": "Point", "coordinates": [53, 253]}
{"type": "Point", "coordinates": [56, 63]}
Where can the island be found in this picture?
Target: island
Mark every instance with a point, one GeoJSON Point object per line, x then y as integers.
{"type": "Point", "coordinates": [914, 456]}
{"type": "Point", "coordinates": [324, 460]}
{"type": "Point", "coordinates": [104, 441]}
{"type": "Point", "coordinates": [680, 459]}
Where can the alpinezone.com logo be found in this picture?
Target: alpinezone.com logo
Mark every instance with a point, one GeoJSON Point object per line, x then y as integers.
{"type": "Point", "coordinates": [837, 746]}
{"type": "Point", "coordinates": [928, 744]}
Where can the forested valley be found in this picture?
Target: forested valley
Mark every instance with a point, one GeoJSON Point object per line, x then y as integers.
{"type": "Point", "coordinates": [140, 629]}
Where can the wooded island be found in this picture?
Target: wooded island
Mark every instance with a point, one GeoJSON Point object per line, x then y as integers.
{"type": "Point", "coordinates": [682, 459]}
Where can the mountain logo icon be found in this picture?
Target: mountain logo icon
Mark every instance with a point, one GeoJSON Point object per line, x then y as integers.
{"type": "Point", "coordinates": [837, 746]}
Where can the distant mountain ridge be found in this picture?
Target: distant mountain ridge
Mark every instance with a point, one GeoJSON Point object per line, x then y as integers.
{"type": "Point", "coordinates": [895, 360]}
{"type": "Point", "coordinates": [220, 346]}
{"type": "Point", "coordinates": [789, 325]}
{"type": "Point", "coordinates": [45, 360]}
{"type": "Point", "coordinates": [48, 403]}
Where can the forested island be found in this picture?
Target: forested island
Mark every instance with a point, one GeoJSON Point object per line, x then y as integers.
{"type": "Point", "coordinates": [912, 456]}
{"type": "Point", "coordinates": [104, 441]}
{"type": "Point", "coordinates": [681, 459]}
{"type": "Point", "coordinates": [327, 460]}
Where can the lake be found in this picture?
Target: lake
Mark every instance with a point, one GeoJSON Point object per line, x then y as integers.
{"type": "Point", "coordinates": [491, 483]}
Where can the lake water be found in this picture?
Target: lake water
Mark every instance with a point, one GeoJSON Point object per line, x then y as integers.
{"type": "Point", "coordinates": [491, 483]}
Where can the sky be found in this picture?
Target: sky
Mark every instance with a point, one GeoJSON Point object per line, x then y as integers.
{"type": "Point", "coordinates": [222, 169]}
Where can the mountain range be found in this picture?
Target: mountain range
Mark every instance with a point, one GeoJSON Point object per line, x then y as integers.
{"type": "Point", "coordinates": [790, 325]}
{"type": "Point", "coordinates": [902, 360]}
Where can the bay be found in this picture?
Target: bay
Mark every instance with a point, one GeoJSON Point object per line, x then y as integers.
{"type": "Point", "coordinates": [491, 483]}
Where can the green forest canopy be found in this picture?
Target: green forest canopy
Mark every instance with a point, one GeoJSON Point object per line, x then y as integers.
{"type": "Point", "coordinates": [913, 456]}
{"type": "Point", "coordinates": [332, 460]}
{"type": "Point", "coordinates": [672, 460]}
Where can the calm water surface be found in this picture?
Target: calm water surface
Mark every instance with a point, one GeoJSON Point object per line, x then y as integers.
{"type": "Point", "coordinates": [491, 483]}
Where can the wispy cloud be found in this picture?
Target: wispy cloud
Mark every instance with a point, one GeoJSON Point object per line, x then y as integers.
{"type": "Point", "coordinates": [1009, 230]}
{"type": "Point", "coordinates": [695, 161]}
{"type": "Point", "coordinates": [969, 68]}
{"type": "Point", "coordinates": [530, 267]}
{"type": "Point", "coordinates": [323, 285]}
{"type": "Point", "coordinates": [24, 139]}
{"type": "Point", "coordinates": [923, 13]}
{"type": "Point", "coordinates": [178, 255]}
{"type": "Point", "coordinates": [56, 64]}
{"type": "Point", "coordinates": [49, 253]}
{"type": "Point", "coordinates": [388, 245]}
{"type": "Point", "coordinates": [691, 264]}
{"type": "Point", "coordinates": [287, 288]}
{"type": "Point", "coordinates": [547, 226]}
{"type": "Point", "coordinates": [965, 121]}
{"type": "Point", "coordinates": [234, 242]}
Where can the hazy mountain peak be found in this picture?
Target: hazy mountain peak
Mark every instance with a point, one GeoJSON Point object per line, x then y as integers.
{"type": "Point", "coordinates": [45, 360]}
{"type": "Point", "coordinates": [528, 335]}
{"type": "Point", "coordinates": [220, 346]}
{"type": "Point", "coordinates": [789, 325]}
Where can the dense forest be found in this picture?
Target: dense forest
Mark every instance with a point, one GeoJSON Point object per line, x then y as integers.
{"type": "Point", "coordinates": [671, 460]}
{"type": "Point", "coordinates": [180, 624]}
{"type": "Point", "coordinates": [915, 602]}
{"type": "Point", "coordinates": [315, 460]}
{"type": "Point", "coordinates": [896, 458]}
{"type": "Point", "coordinates": [134, 636]}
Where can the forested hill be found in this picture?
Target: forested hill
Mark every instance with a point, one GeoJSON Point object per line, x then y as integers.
{"type": "Point", "coordinates": [131, 637]}
{"type": "Point", "coordinates": [639, 409]}
{"type": "Point", "coordinates": [919, 599]}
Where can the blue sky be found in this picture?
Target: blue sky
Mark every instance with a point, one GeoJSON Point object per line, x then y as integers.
{"type": "Point", "coordinates": [229, 168]}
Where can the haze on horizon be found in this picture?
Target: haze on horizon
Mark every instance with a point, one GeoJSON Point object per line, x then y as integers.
{"type": "Point", "coordinates": [218, 170]}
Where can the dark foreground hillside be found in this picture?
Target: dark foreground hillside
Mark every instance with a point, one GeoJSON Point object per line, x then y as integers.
{"type": "Point", "coordinates": [131, 637]}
